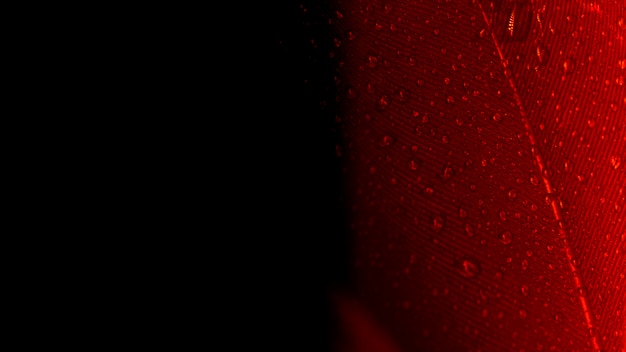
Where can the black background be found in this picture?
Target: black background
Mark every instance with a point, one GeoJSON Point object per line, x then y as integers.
{"type": "Point", "coordinates": [310, 246]}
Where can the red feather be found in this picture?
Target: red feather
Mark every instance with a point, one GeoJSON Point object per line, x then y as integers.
{"type": "Point", "coordinates": [485, 158]}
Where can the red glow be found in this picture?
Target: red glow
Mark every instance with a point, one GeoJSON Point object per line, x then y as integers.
{"type": "Point", "coordinates": [484, 153]}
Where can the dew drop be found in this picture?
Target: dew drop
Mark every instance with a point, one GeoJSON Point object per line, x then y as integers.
{"type": "Point", "coordinates": [414, 165]}
{"type": "Point", "coordinates": [372, 61]}
{"type": "Point", "coordinates": [469, 230]}
{"type": "Point", "coordinates": [437, 224]}
{"type": "Point", "coordinates": [447, 173]}
{"type": "Point", "coordinates": [524, 264]}
{"type": "Point", "coordinates": [525, 290]}
{"type": "Point", "coordinates": [502, 215]}
{"type": "Point", "coordinates": [338, 151]}
{"type": "Point", "coordinates": [383, 102]}
{"type": "Point", "coordinates": [351, 93]}
{"type": "Point", "coordinates": [506, 238]}
{"type": "Point", "coordinates": [497, 117]}
{"type": "Point", "coordinates": [446, 80]}
{"type": "Point", "coordinates": [386, 141]}
{"type": "Point", "coordinates": [551, 198]}
{"type": "Point", "coordinates": [616, 162]}
{"type": "Point", "coordinates": [568, 65]}
{"type": "Point", "coordinates": [402, 94]}
{"type": "Point", "coordinates": [523, 314]}
{"type": "Point", "coordinates": [468, 268]}
{"type": "Point", "coordinates": [512, 194]}
{"type": "Point", "coordinates": [462, 213]}
{"type": "Point", "coordinates": [567, 166]}
{"type": "Point", "coordinates": [534, 180]}
{"type": "Point", "coordinates": [591, 123]}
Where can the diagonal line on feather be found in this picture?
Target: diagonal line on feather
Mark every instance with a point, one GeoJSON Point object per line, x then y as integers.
{"type": "Point", "coordinates": [555, 205]}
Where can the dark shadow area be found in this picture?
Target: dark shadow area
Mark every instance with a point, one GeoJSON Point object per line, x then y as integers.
{"type": "Point", "coordinates": [308, 250]}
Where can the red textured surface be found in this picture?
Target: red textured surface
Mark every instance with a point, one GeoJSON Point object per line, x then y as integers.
{"type": "Point", "coordinates": [485, 158]}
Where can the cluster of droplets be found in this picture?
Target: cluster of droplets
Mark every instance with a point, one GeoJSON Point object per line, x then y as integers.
{"type": "Point", "coordinates": [467, 267]}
